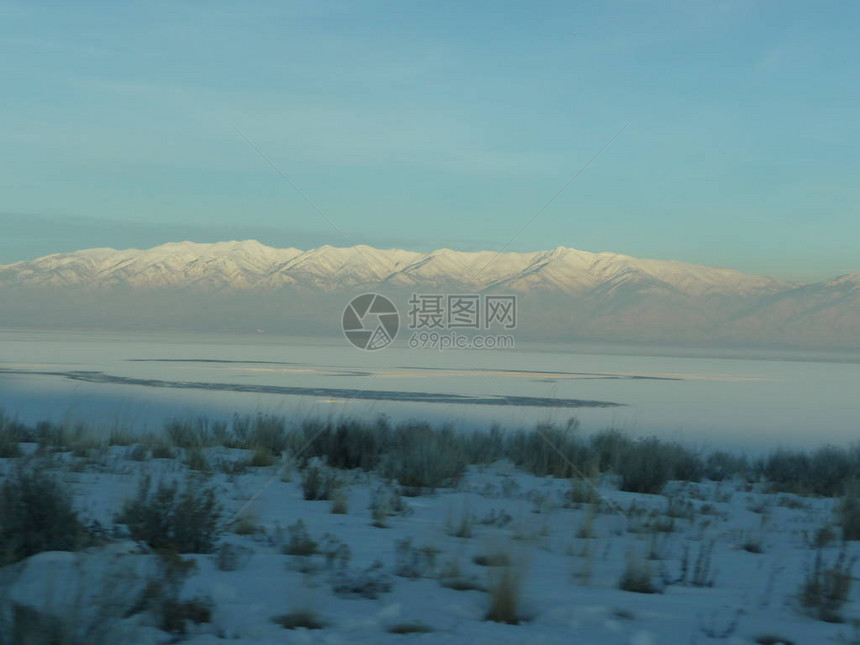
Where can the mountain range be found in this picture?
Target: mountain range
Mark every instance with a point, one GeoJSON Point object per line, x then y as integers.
{"type": "Point", "coordinates": [565, 294]}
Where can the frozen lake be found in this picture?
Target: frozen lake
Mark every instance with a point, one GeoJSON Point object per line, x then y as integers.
{"type": "Point", "coordinates": [702, 398]}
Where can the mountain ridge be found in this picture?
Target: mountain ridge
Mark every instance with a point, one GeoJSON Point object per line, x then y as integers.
{"type": "Point", "coordinates": [565, 293]}
{"type": "Point", "coordinates": [256, 265]}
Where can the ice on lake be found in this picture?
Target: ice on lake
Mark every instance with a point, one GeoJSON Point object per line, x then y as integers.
{"type": "Point", "coordinates": [701, 397]}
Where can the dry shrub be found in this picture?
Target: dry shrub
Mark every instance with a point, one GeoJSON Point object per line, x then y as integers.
{"type": "Point", "coordinates": [505, 589]}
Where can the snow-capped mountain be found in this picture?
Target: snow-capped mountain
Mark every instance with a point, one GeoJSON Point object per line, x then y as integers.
{"type": "Point", "coordinates": [565, 293]}
{"type": "Point", "coordinates": [251, 265]}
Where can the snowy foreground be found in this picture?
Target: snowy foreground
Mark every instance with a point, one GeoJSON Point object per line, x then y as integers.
{"type": "Point", "coordinates": [724, 562]}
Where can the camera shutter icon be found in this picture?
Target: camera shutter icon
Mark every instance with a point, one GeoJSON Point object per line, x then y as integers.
{"type": "Point", "coordinates": [370, 321]}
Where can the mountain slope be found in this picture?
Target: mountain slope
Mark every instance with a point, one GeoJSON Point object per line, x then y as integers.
{"type": "Point", "coordinates": [249, 264]}
{"type": "Point", "coordinates": [565, 294]}
{"type": "Point", "coordinates": [814, 313]}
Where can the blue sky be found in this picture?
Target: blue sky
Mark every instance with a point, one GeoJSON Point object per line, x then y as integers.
{"type": "Point", "coordinates": [430, 124]}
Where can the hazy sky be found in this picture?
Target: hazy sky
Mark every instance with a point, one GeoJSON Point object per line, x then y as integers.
{"type": "Point", "coordinates": [428, 124]}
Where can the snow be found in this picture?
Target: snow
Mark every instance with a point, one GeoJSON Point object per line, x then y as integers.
{"type": "Point", "coordinates": [250, 264]}
{"type": "Point", "coordinates": [571, 294]}
{"type": "Point", "coordinates": [561, 601]}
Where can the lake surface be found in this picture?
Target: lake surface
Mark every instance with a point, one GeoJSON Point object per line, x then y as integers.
{"type": "Point", "coordinates": [702, 397]}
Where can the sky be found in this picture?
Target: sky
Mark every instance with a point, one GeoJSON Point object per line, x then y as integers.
{"type": "Point", "coordinates": [437, 124]}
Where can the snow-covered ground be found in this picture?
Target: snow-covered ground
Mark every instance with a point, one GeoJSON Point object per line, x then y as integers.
{"type": "Point", "coordinates": [726, 560]}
